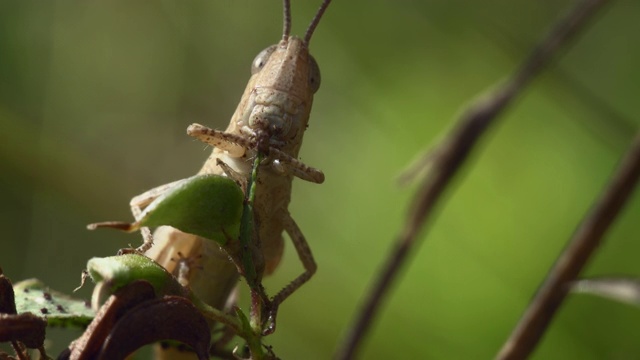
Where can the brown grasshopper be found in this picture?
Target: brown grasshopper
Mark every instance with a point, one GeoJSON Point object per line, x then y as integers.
{"type": "Point", "coordinates": [271, 118]}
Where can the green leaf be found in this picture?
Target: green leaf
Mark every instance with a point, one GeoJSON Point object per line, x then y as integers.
{"type": "Point", "coordinates": [205, 205]}
{"type": "Point", "coordinates": [59, 309]}
{"type": "Point", "coordinates": [118, 271]}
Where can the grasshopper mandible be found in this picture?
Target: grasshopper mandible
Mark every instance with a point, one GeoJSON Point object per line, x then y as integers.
{"type": "Point", "coordinates": [271, 118]}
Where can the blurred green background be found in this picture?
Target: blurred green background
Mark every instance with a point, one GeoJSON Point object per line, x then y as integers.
{"type": "Point", "coordinates": [95, 97]}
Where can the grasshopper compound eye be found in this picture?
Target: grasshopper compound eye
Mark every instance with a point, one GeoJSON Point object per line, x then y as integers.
{"type": "Point", "coordinates": [314, 75]}
{"type": "Point", "coordinates": [261, 59]}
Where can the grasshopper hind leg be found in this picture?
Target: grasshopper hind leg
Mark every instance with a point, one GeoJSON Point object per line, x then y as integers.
{"type": "Point", "coordinates": [309, 264]}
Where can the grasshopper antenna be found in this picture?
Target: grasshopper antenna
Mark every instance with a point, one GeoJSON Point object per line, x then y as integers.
{"type": "Point", "coordinates": [286, 31]}
{"type": "Point", "coordinates": [315, 21]}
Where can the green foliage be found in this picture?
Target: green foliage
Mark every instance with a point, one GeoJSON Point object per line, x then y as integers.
{"type": "Point", "coordinates": [206, 205]}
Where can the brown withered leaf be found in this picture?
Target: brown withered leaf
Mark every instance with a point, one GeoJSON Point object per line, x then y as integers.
{"type": "Point", "coordinates": [171, 317]}
{"type": "Point", "coordinates": [7, 296]}
{"type": "Point", "coordinates": [89, 345]}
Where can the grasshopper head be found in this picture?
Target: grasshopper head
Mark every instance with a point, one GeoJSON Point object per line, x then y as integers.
{"type": "Point", "coordinates": [280, 93]}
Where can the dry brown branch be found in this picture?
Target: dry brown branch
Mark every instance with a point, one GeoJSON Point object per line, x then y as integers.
{"type": "Point", "coordinates": [585, 241]}
{"type": "Point", "coordinates": [452, 154]}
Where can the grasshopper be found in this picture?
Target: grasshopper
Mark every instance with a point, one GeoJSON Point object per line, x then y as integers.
{"type": "Point", "coordinates": [270, 119]}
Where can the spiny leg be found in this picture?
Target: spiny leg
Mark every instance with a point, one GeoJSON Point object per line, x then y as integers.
{"type": "Point", "coordinates": [234, 144]}
{"type": "Point", "coordinates": [297, 167]}
{"type": "Point", "coordinates": [309, 264]}
{"type": "Point", "coordinates": [237, 177]}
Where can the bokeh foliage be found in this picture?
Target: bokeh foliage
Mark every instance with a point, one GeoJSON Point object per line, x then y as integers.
{"type": "Point", "coordinates": [95, 98]}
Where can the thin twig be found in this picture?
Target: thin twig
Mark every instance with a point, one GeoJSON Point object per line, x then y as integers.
{"type": "Point", "coordinates": [585, 241]}
{"type": "Point", "coordinates": [453, 153]}
{"type": "Point", "coordinates": [606, 123]}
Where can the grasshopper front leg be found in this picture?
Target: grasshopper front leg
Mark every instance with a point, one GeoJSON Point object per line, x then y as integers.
{"type": "Point", "coordinates": [297, 167]}
{"type": "Point", "coordinates": [232, 143]}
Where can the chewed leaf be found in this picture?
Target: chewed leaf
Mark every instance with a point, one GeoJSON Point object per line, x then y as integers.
{"type": "Point", "coordinates": [59, 309]}
{"type": "Point", "coordinates": [626, 290]}
{"type": "Point", "coordinates": [205, 205]}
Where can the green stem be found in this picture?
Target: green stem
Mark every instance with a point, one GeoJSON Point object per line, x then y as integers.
{"type": "Point", "coordinates": [217, 315]}
{"type": "Point", "coordinates": [247, 228]}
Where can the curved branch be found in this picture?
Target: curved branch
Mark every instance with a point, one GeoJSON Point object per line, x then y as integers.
{"type": "Point", "coordinates": [452, 155]}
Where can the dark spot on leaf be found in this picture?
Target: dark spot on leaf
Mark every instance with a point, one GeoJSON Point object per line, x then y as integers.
{"type": "Point", "coordinates": [47, 296]}
{"type": "Point", "coordinates": [61, 308]}
{"type": "Point", "coordinates": [44, 311]}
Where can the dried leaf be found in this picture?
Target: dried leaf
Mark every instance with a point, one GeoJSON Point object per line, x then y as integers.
{"type": "Point", "coordinates": [89, 345]}
{"type": "Point", "coordinates": [626, 290]}
{"type": "Point", "coordinates": [26, 328]}
{"type": "Point", "coordinates": [7, 296]}
{"type": "Point", "coordinates": [171, 317]}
